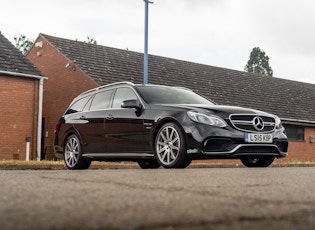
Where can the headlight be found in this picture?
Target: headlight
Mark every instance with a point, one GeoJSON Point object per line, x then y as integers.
{"type": "Point", "coordinates": [206, 119]}
{"type": "Point", "coordinates": [278, 122]}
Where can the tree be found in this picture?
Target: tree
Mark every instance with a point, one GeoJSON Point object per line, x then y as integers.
{"type": "Point", "coordinates": [258, 63]}
{"type": "Point", "coordinates": [23, 44]}
{"type": "Point", "coordinates": [89, 40]}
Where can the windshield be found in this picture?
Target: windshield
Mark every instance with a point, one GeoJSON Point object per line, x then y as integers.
{"type": "Point", "coordinates": [170, 95]}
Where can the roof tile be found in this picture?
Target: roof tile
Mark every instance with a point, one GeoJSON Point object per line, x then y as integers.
{"type": "Point", "coordinates": [286, 98]}
{"type": "Point", "coordinates": [12, 60]}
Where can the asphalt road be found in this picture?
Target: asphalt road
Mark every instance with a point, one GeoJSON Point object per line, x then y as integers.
{"type": "Point", "coordinates": [192, 198]}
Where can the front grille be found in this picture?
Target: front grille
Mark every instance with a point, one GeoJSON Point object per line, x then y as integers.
{"type": "Point", "coordinates": [253, 123]}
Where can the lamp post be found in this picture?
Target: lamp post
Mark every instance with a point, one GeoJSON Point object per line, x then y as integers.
{"type": "Point", "coordinates": [145, 67]}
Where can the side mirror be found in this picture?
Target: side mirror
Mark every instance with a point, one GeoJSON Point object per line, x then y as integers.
{"type": "Point", "coordinates": [131, 104]}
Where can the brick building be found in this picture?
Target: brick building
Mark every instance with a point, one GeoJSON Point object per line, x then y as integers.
{"type": "Point", "coordinates": [21, 87]}
{"type": "Point", "coordinates": [73, 67]}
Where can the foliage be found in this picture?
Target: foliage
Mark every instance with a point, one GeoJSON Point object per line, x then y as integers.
{"type": "Point", "coordinates": [258, 63]}
{"type": "Point", "coordinates": [23, 43]}
{"type": "Point", "coordinates": [89, 40]}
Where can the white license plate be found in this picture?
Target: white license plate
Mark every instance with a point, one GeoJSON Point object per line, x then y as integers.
{"type": "Point", "coordinates": [258, 138]}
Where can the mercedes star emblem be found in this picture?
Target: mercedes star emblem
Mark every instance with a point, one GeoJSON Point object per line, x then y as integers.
{"type": "Point", "coordinates": [258, 123]}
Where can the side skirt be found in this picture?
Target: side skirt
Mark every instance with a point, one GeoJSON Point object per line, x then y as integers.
{"type": "Point", "coordinates": [118, 156]}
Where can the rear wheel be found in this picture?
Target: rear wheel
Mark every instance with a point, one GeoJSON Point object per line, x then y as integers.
{"type": "Point", "coordinates": [170, 147]}
{"type": "Point", "coordinates": [148, 164]}
{"type": "Point", "coordinates": [257, 161]}
{"type": "Point", "coordinates": [73, 154]}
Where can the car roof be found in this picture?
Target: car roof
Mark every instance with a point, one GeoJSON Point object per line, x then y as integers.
{"type": "Point", "coordinates": [123, 83]}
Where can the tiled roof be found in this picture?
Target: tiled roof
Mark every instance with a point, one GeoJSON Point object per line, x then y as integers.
{"type": "Point", "coordinates": [288, 99]}
{"type": "Point", "coordinates": [12, 60]}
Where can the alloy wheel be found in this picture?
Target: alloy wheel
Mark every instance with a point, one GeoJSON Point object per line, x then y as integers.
{"type": "Point", "coordinates": [168, 145]}
{"type": "Point", "coordinates": [72, 151]}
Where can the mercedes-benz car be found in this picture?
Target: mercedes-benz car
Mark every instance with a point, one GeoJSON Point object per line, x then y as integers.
{"type": "Point", "coordinates": [158, 125]}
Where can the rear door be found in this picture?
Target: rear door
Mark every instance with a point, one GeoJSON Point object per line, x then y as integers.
{"type": "Point", "coordinates": [90, 122]}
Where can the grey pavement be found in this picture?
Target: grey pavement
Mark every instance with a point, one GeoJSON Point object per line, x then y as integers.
{"type": "Point", "coordinates": [192, 198]}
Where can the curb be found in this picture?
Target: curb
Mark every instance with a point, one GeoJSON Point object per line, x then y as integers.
{"type": "Point", "coordinates": [47, 166]}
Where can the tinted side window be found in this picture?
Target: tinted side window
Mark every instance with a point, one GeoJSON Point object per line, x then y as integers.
{"type": "Point", "coordinates": [101, 100]}
{"type": "Point", "coordinates": [88, 105]}
{"type": "Point", "coordinates": [121, 95]}
{"type": "Point", "coordinates": [78, 105]}
{"type": "Point", "coordinates": [171, 95]}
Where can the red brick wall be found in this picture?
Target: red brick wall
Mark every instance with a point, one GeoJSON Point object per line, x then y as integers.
{"type": "Point", "coordinates": [302, 151]}
{"type": "Point", "coordinates": [62, 86]}
{"type": "Point", "coordinates": [66, 83]}
{"type": "Point", "coordinates": [18, 112]}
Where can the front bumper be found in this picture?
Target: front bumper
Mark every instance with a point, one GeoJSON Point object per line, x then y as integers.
{"type": "Point", "coordinates": [221, 143]}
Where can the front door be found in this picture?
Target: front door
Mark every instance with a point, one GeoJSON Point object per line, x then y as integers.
{"type": "Point", "coordinates": [124, 129]}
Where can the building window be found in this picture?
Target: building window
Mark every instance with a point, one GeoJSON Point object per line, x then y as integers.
{"type": "Point", "coordinates": [295, 133]}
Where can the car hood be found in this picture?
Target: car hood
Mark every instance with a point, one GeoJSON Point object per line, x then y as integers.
{"type": "Point", "coordinates": [221, 110]}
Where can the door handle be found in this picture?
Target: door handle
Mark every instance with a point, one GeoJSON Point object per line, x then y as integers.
{"type": "Point", "coordinates": [109, 117]}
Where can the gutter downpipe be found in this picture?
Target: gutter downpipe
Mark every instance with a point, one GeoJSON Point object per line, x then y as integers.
{"type": "Point", "coordinates": [40, 105]}
{"type": "Point", "coordinates": [39, 122]}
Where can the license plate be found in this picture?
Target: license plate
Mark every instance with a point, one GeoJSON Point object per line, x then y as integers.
{"type": "Point", "coordinates": [258, 138]}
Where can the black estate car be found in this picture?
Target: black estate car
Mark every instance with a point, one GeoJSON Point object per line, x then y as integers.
{"type": "Point", "coordinates": [165, 126]}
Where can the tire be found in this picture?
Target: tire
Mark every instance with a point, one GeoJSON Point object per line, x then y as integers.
{"type": "Point", "coordinates": [149, 164]}
{"type": "Point", "coordinates": [257, 161]}
{"type": "Point", "coordinates": [170, 147]}
{"type": "Point", "coordinates": [73, 154]}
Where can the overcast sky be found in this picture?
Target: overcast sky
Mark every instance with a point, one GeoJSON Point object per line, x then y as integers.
{"type": "Point", "coordinates": [220, 33]}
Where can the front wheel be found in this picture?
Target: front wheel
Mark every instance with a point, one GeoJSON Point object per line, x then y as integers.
{"type": "Point", "coordinates": [170, 147]}
{"type": "Point", "coordinates": [73, 154]}
{"type": "Point", "coordinates": [257, 161]}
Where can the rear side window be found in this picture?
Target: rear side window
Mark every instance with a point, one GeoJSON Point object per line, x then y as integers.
{"type": "Point", "coordinates": [78, 105]}
{"type": "Point", "coordinates": [101, 100]}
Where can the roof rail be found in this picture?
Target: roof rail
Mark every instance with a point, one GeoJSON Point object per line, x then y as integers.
{"type": "Point", "coordinates": [104, 86]}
